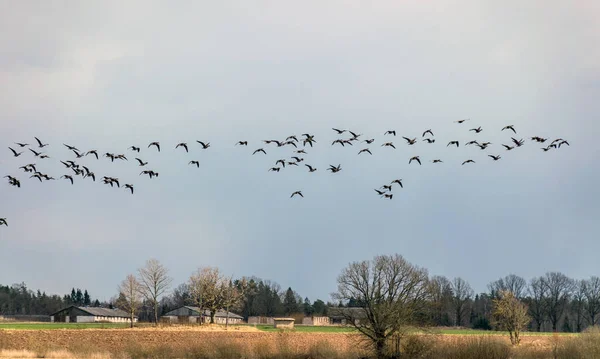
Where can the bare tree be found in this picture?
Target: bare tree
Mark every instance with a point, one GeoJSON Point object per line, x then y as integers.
{"type": "Point", "coordinates": [510, 315]}
{"type": "Point", "coordinates": [440, 290]}
{"type": "Point", "coordinates": [206, 285]}
{"type": "Point", "coordinates": [462, 294]}
{"type": "Point", "coordinates": [513, 283]}
{"type": "Point", "coordinates": [391, 293]}
{"type": "Point", "coordinates": [129, 299]}
{"type": "Point", "coordinates": [155, 281]}
{"type": "Point", "coordinates": [559, 288]}
{"type": "Point", "coordinates": [578, 304]}
{"type": "Point", "coordinates": [591, 289]}
{"type": "Point", "coordinates": [232, 295]}
{"type": "Point", "coordinates": [537, 301]}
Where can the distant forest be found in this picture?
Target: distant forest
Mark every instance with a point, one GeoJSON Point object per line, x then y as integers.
{"type": "Point", "coordinates": [555, 302]}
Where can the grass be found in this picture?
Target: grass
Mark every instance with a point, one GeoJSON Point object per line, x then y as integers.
{"type": "Point", "coordinates": [46, 326]}
{"type": "Point", "coordinates": [451, 331]}
{"type": "Point", "coordinates": [308, 329]}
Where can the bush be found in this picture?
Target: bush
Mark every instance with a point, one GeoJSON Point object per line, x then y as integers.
{"type": "Point", "coordinates": [584, 346]}
{"type": "Point", "coordinates": [417, 346]}
{"type": "Point", "coordinates": [471, 348]}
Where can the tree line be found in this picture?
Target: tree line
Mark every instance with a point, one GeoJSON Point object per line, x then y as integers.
{"type": "Point", "coordinates": [17, 299]}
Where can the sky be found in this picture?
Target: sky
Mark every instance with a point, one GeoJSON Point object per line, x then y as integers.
{"type": "Point", "coordinates": [106, 75]}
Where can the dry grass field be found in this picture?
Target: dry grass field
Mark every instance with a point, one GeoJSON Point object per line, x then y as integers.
{"type": "Point", "coordinates": [248, 342]}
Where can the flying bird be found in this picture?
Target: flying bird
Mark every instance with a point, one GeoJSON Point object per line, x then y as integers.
{"type": "Point", "coordinates": [259, 150]}
{"type": "Point", "coordinates": [93, 152]}
{"type": "Point", "coordinates": [461, 121]}
{"type": "Point", "coordinates": [508, 148]}
{"type": "Point", "coordinates": [142, 163]}
{"type": "Point", "coordinates": [452, 143]}
{"type": "Point", "coordinates": [135, 149]}
{"type": "Point", "coordinates": [430, 140]}
{"type": "Point", "coordinates": [150, 173]}
{"type": "Point", "coordinates": [338, 131]}
{"type": "Point", "coordinates": [468, 161]}
{"type": "Point", "coordinates": [381, 193]}
{"type": "Point", "coordinates": [496, 158]}
{"type": "Point", "coordinates": [415, 158]}
{"type": "Point", "coordinates": [477, 130]}
{"type": "Point", "coordinates": [388, 195]}
{"type": "Point", "coordinates": [388, 187]}
{"type": "Point", "coordinates": [3, 222]}
{"type": "Point", "coordinates": [182, 144]}
{"type": "Point", "coordinates": [509, 127]}
{"type": "Point", "coordinates": [437, 161]}
{"type": "Point", "coordinates": [197, 163]}
{"type": "Point", "coordinates": [130, 187]}
{"type": "Point", "coordinates": [369, 141]}
{"type": "Point", "coordinates": [389, 144]}
{"type": "Point", "coordinates": [242, 143]}
{"type": "Point", "coordinates": [155, 144]}
{"type": "Point", "coordinates": [426, 132]}
{"type": "Point", "coordinates": [274, 169]}
{"type": "Point", "coordinates": [334, 169]}
{"type": "Point", "coordinates": [297, 193]}
{"type": "Point", "coordinates": [410, 141]}
{"type": "Point", "coordinates": [72, 148]}
{"type": "Point", "coordinates": [37, 154]}
{"type": "Point", "coordinates": [22, 144]}
{"type": "Point", "coordinates": [518, 143]}
{"type": "Point", "coordinates": [390, 132]}
{"type": "Point", "coordinates": [40, 144]}
{"type": "Point", "coordinates": [398, 181]}
{"type": "Point", "coordinates": [69, 177]}
{"type": "Point", "coordinates": [204, 145]}
{"type": "Point", "coordinates": [15, 153]}
{"type": "Point", "coordinates": [563, 142]}
{"type": "Point", "coordinates": [365, 150]}
{"type": "Point", "coordinates": [310, 168]}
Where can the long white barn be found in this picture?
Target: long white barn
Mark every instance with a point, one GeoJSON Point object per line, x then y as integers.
{"type": "Point", "coordinates": [75, 314]}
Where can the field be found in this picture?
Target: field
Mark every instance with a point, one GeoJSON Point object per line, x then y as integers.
{"type": "Point", "coordinates": [20, 340]}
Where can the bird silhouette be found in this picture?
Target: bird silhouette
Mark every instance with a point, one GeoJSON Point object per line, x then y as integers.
{"type": "Point", "coordinates": [310, 168]}
{"type": "Point", "coordinates": [415, 158]}
{"type": "Point", "coordinates": [334, 169]}
{"type": "Point", "coordinates": [15, 153]}
{"type": "Point", "coordinates": [390, 132]}
{"type": "Point", "coordinates": [37, 154]}
{"type": "Point", "coordinates": [495, 158]}
{"type": "Point", "coordinates": [92, 152]}
{"type": "Point", "coordinates": [398, 181]}
{"type": "Point", "coordinates": [369, 141]}
{"type": "Point", "coordinates": [338, 131]}
{"type": "Point", "coordinates": [389, 144]}
{"type": "Point", "coordinates": [129, 186]}
{"type": "Point", "coordinates": [365, 150]}
{"type": "Point", "coordinates": [69, 177]}
{"type": "Point", "coordinates": [452, 143]}
{"type": "Point", "coordinates": [427, 132]}
{"type": "Point", "coordinates": [477, 130]}
{"type": "Point", "coordinates": [388, 187]}
{"type": "Point", "coordinates": [461, 121]}
{"type": "Point", "coordinates": [197, 163]}
{"type": "Point", "coordinates": [509, 127]}
{"type": "Point", "coordinates": [242, 143]}
{"type": "Point", "coordinates": [21, 144]}
{"type": "Point", "coordinates": [40, 144]}
{"type": "Point", "coordinates": [259, 150]}
{"type": "Point", "coordinates": [3, 222]}
{"type": "Point", "coordinates": [388, 195]}
{"type": "Point", "coordinates": [517, 143]}
{"type": "Point", "coordinates": [150, 173]}
{"type": "Point", "coordinates": [468, 161]}
{"type": "Point", "coordinates": [155, 144]}
{"type": "Point", "coordinates": [135, 149]}
{"type": "Point", "coordinates": [381, 193]}
{"type": "Point", "coordinates": [184, 145]}
{"type": "Point", "coordinates": [274, 169]}
{"type": "Point", "coordinates": [437, 161]}
{"type": "Point", "coordinates": [430, 140]}
{"type": "Point", "coordinates": [142, 163]}
{"type": "Point", "coordinates": [297, 193]}
{"type": "Point", "coordinates": [508, 148]}
{"type": "Point", "coordinates": [410, 141]}
{"type": "Point", "coordinates": [204, 145]}
{"type": "Point", "coordinates": [72, 148]}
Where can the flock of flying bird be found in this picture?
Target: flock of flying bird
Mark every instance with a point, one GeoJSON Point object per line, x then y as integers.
{"type": "Point", "coordinates": [305, 140]}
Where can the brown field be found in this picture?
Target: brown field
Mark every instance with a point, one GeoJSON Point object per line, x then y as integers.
{"type": "Point", "coordinates": [245, 342]}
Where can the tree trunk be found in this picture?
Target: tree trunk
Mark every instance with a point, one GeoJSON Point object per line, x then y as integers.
{"type": "Point", "coordinates": [212, 317]}
{"type": "Point", "coordinates": [156, 313]}
{"type": "Point", "coordinates": [380, 349]}
{"type": "Point", "coordinates": [539, 326]}
{"type": "Point", "coordinates": [132, 316]}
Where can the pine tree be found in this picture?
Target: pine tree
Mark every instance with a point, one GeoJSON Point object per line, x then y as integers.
{"type": "Point", "coordinates": [73, 297]}
{"type": "Point", "coordinates": [289, 302]}
{"type": "Point", "coordinates": [308, 308]}
{"type": "Point", "coordinates": [86, 299]}
{"type": "Point", "coordinates": [96, 303]}
{"type": "Point", "coordinates": [79, 297]}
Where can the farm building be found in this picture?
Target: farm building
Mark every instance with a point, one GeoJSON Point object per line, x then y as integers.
{"type": "Point", "coordinates": [187, 314]}
{"type": "Point", "coordinates": [340, 316]}
{"type": "Point", "coordinates": [75, 314]}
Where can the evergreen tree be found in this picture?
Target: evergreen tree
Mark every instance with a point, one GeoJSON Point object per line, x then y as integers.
{"type": "Point", "coordinates": [319, 308]}
{"type": "Point", "coordinates": [86, 298]}
{"type": "Point", "coordinates": [308, 308]}
{"type": "Point", "coordinates": [96, 303]}
{"type": "Point", "coordinates": [289, 302]}
{"type": "Point", "coordinates": [73, 297]}
{"type": "Point", "coordinates": [78, 297]}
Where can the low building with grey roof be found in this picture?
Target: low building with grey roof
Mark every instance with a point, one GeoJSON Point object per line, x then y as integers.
{"type": "Point", "coordinates": [73, 314]}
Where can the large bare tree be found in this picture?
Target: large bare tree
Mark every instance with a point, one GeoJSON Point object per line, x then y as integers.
{"type": "Point", "coordinates": [591, 290]}
{"type": "Point", "coordinates": [440, 290]}
{"type": "Point", "coordinates": [130, 298]}
{"type": "Point", "coordinates": [559, 288]}
{"type": "Point", "coordinates": [391, 292]}
{"type": "Point", "coordinates": [537, 301]}
{"type": "Point", "coordinates": [513, 283]}
{"type": "Point", "coordinates": [155, 282]}
{"type": "Point", "coordinates": [206, 286]}
{"type": "Point", "coordinates": [461, 297]}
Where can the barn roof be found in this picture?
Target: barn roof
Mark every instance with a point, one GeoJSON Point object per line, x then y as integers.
{"type": "Point", "coordinates": [219, 313]}
{"type": "Point", "coordinates": [98, 312]}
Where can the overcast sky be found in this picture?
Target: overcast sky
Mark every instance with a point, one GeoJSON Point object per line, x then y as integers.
{"type": "Point", "coordinates": [106, 75]}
